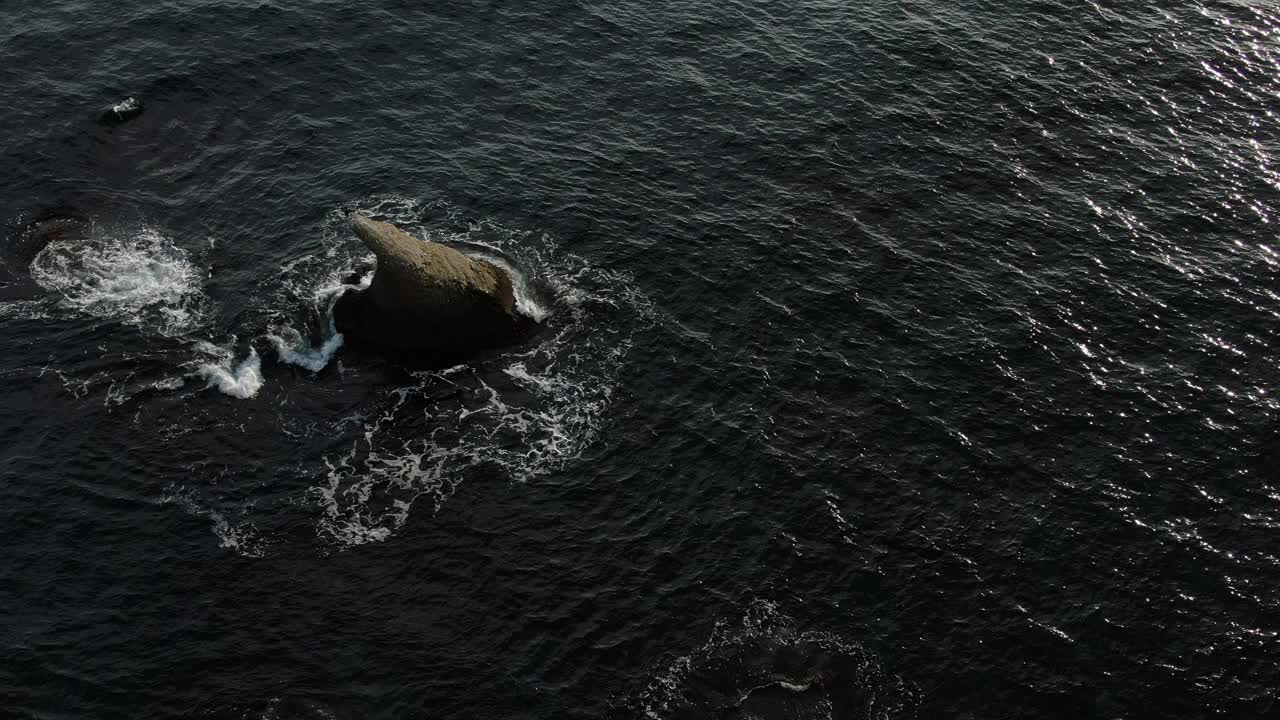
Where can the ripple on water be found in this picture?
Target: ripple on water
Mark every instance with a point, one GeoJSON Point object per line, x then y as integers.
{"type": "Point", "coordinates": [763, 667]}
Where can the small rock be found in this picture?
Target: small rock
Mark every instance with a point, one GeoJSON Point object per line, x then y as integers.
{"type": "Point", "coordinates": [122, 112]}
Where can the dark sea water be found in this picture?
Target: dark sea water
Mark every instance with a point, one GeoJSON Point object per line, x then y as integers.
{"type": "Point", "coordinates": [902, 359]}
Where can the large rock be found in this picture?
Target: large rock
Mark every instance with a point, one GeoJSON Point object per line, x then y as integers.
{"type": "Point", "coordinates": [426, 298]}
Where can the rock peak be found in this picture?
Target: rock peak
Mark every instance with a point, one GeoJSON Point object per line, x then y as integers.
{"type": "Point", "coordinates": [426, 296]}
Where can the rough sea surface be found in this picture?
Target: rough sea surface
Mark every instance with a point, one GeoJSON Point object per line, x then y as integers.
{"type": "Point", "coordinates": [901, 359]}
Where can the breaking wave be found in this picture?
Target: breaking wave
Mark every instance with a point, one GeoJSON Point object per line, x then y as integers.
{"type": "Point", "coordinates": [293, 350]}
{"type": "Point", "coordinates": [291, 344]}
{"type": "Point", "coordinates": [241, 379]}
{"type": "Point", "coordinates": [532, 298]}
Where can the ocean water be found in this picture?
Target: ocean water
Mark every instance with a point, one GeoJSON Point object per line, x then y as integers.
{"type": "Point", "coordinates": [902, 359]}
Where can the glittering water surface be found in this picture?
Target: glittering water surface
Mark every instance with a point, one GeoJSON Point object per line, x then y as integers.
{"type": "Point", "coordinates": [906, 359]}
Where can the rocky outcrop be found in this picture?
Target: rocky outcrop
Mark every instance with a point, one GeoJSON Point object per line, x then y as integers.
{"type": "Point", "coordinates": [122, 112]}
{"type": "Point", "coordinates": [426, 297]}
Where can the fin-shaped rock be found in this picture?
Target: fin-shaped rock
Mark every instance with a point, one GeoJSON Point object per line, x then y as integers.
{"type": "Point", "coordinates": [426, 297]}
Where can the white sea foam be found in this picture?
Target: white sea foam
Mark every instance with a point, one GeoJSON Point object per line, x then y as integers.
{"type": "Point", "coordinates": [521, 414]}
{"type": "Point", "coordinates": [528, 301]}
{"type": "Point", "coordinates": [292, 347]}
{"type": "Point", "coordinates": [127, 105]}
{"type": "Point", "coordinates": [241, 537]}
{"type": "Point", "coordinates": [173, 383]}
{"type": "Point", "coordinates": [526, 414]}
{"type": "Point", "coordinates": [24, 310]}
{"type": "Point", "coordinates": [295, 351]}
{"type": "Point", "coordinates": [239, 380]}
{"type": "Point", "coordinates": [138, 277]}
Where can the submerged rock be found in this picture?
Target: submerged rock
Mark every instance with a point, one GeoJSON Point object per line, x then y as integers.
{"type": "Point", "coordinates": [300, 709]}
{"type": "Point", "coordinates": [45, 232]}
{"type": "Point", "coordinates": [427, 298]}
{"type": "Point", "coordinates": [121, 112]}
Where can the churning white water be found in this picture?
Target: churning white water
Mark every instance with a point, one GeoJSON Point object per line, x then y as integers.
{"type": "Point", "coordinates": [293, 348]}
{"type": "Point", "coordinates": [526, 413]}
{"type": "Point", "coordinates": [240, 379]}
{"type": "Point", "coordinates": [135, 276]}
